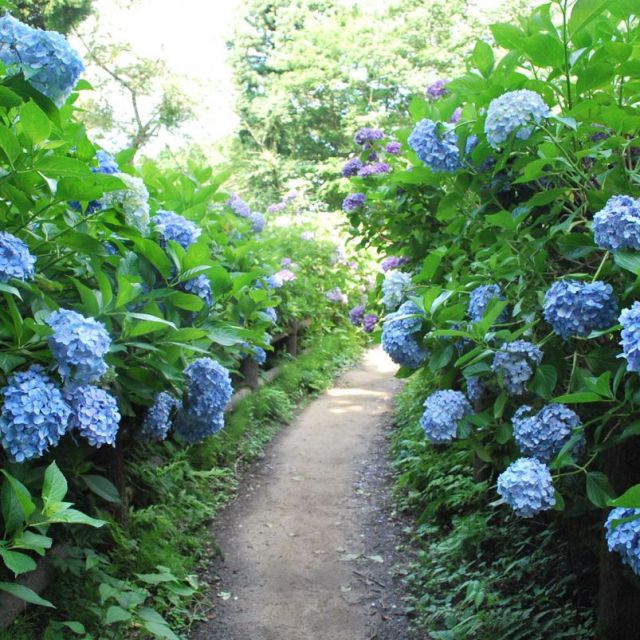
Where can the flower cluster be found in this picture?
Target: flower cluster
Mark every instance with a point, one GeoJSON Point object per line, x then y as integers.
{"type": "Point", "coordinates": [374, 169]}
{"type": "Point", "coordinates": [437, 149]}
{"type": "Point", "coordinates": [336, 296]}
{"type": "Point", "coordinates": [208, 392]}
{"type": "Point", "coordinates": [258, 222]}
{"type": "Point", "coordinates": [157, 422]}
{"type": "Point", "coordinates": [630, 321]}
{"type": "Point", "coordinates": [259, 355]}
{"type": "Point", "coordinates": [515, 363]}
{"type": "Point", "coordinates": [95, 414]}
{"type": "Point", "coordinates": [353, 202]}
{"type": "Point", "coordinates": [15, 259]}
{"type": "Point", "coordinates": [199, 286]}
{"type": "Point", "coordinates": [239, 206]}
{"type": "Point", "coordinates": [514, 111]}
{"type": "Point", "coordinates": [393, 262]}
{"type": "Point", "coordinates": [526, 486]}
{"type": "Point", "coordinates": [398, 336]}
{"type": "Point", "coordinates": [79, 345]}
{"type": "Point", "coordinates": [437, 89]}
{"type": "Point", "coordinates": [106, 163]}
{"type": "Point", "coordinates": [272, 314]}
{"type": "Point", "coordinates": [172, 226]}
{"type": "Point", "coordinates": [369, 322]}
{"type": "Point", "coordinates": [480, 299]}
{"type": "Point", "coordinates": [576, 308]}
{"type": "Point", "coordinates": [50, 64]}
{"type": "Point", "coordinates": [351, 167]}
{"type": "Point", "coordinates": [625, 538]}
{"type": "Point", "coordinates": [34, 415]}
{"type": "Point", "coordinates": [134, 200]}
{"type": "Point", "coordinates": [356, 315]}
{"type": "Point", "coordinates": [393, 148]}
{"type": "Point", "coordinates": [395, 287]}
{"type": "Point", "coordinates": [282, 276]}
{"type": "Point", "coordinates": [443, 411]}
{"type": "Point", "coordinates": [542, 435]}
{"type": "Point", "coordinates": [475, 389]}
{"type": "Point", "coordinates": [617, 226]}
{"type": "Point", "coordinates": [366, 136]}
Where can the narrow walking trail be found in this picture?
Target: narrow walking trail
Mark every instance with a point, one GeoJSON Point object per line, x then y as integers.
{"type": "Point", "coordinates": [309, 543]}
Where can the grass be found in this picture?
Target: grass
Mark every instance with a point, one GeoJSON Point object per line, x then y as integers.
{"type": "Point", "coordinates": [481, 573]}
{"type": "Point", "coordinates": [152, 561]}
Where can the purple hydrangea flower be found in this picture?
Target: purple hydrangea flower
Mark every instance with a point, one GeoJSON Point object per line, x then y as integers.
{"type": "Point", "coordinates": [336, 296]}
{"type": "Point", "coordinates": [393, 148]}
{"type": "Point", "coordinates": [366, 136]}
{"type": "Point", "coordinates": [258, 222]}
{"type": "Point", "coordinates": [374, 169]}
{"type": "Point", "coordinates": [353, 202]}
{"type": "Point", "coordinates": [393, 262]}
{"type": "Point", "coordinates": [356, 315]}
{"type": "Point", "coordinates": [437, 89]}
{"type": "Point", "coordinates": [352, 167]}
{"type": "Point", "coordinates": [369, 322]}
{"type": "Point", "coordinates": [455, 117]}
{"type": "Point", "coordinates": [239, 206]}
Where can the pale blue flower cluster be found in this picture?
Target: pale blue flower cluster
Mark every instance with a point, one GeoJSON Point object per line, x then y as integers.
{"type": "Point", "coordinates": [157, 422]}
{"type": "Point", "coordinates": [514, 111]}
{"type": "Point", "coordinates": [79, 345]}
{"type": "Point", "coordinates": [395, 287]}
{"type": "Point", "coordinates": [258, 222]}
{"type": "Point", "coordinates": [199, 286]}
{"type": "Point", "coordinates": [208, 392]}
{"type": "Point", "coordinates": [443, 411]}
{"type": "Point", "coordinates": [543, 434]}
{"type": "Point", "coordinates": [259, 355]}
{"type": "Point", "coordinates": [46, 58]}
{"type": "Point", "coordinates": [34, 415]}
{"type": "Point", "coordinates": [625, 538]}
{"type": "Point", "coordinates": [399, 335]}
{"type": "Point", "coordinates": [575, 308]}
{"type": "Point", "coordinates": [15, 259]}
{"type": "Point", "coordinates": [617, 226]}
{"type": "Point", "coordinates": [239, 206]}
{"type": "Point", "coordinates": [95, 414]}
{"type": "Point", "coordinates": [353, 202]}
{"type": "Point", "coordinates": [526, 486]}
{"type": "Point", "coordinates": [134, 201]}
{"type": "Point", "coordinates": [630, 342]}
{"type": "Point", "coordinates": [106, 163]}
{"type": "Point", "coordinates": [480, 299]}
{"type": "Point", "coordinates": [476, 389]}
{"type": "Point", "coordinates": [437, 149]}
{"type": "Point", "coordinates": [272, 313]}
{"type": "Point", "coordinates": [172, 226]}
{"type": "Point", "coordinates": [515, 362]}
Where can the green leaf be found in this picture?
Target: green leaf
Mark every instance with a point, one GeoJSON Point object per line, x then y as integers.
{"type": "Point", "coordinates": [440, 357]}
{"type": "Point", "coordinates": [24, 593]}
{"type": "Point", "coordinates": [116, 614]}
{"type": "Point", "coordinates": [507, 36]}
{"type": "Point", "coordinates": [76, 627]}
{"type": "Point", "coordinates": [21, 493]}
{"type": "Point", "coordinates": [584, 11]}
{"type": "Point", "coordinates": [580, 397]}
{"type": "Point", "coordinates": [35, 122]}
{"type": "Point", "coordinates": [544, 50]}
{"type": "Point", "coordinates": [595, 75]}
{"type": "Point", "coordinates": [628, 260]}
{"type": "Point", "coordinates": [55, 485]}
{"type": "Point", "coordinates": [599, 491]}
{"type": "Point", "coordinates": [102, 487]}
{"type": "Point", "coordinates": [186, 301]}
{"type": "Point", "coordinates": [630, 499]}
{"type": "Point", "coordinates": [17, 562]}
{"type": "Point", "coordinates": [482, 58]}
{"type": "Point", "coordinates": [160, 631]}
{"type": "Point", "coordinates": [73, 516]}
{"type": "Point", "coordinates": [544, 381]}
{"type": "Point", "coordinates": [9, 144]}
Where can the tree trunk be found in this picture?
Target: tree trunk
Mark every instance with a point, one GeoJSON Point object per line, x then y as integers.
{"type": "Point", "coordinates": [250, 373]}
{"type": "Point", "coordinates": [292, 341]}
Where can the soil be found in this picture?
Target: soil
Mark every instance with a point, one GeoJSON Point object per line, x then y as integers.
{"type": "Point", "coordinates": [312, 548]}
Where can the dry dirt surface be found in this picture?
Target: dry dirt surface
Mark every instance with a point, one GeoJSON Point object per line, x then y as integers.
{"type": "Point", "coordinates": [311, 545]}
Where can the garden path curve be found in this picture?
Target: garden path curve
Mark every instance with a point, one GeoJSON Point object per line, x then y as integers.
{"type": "Point", "coordinates": [309, 544]}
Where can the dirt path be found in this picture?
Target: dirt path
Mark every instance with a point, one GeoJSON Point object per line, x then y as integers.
{"type": "Point", "coordinates": [309, 544]}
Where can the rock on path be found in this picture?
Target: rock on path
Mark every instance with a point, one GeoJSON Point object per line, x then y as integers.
{"type": "Point", "coordinates": [300, 558]}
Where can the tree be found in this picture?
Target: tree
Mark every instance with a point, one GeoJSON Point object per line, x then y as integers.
{"type": "Point", "coordinates": [55, 15]}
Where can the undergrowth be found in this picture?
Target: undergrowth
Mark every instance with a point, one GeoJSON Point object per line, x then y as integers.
{"type": "Point", "coordinates": [481, 573]}
{"type": "Point", "coordinates": [147, 564]}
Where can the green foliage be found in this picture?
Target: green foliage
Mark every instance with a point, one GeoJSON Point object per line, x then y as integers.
{"type": "Point", "coordinates": [53, 15]}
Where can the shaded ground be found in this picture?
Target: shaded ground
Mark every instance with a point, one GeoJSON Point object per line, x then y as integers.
{"type": "Point", "coordinates": [310, 544]}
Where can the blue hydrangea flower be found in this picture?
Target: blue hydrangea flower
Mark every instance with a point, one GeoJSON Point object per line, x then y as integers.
{"type": "Point", "coordinates": [353, 202]}
{"type": "Point", "coordinates": [398, 336]}
{"type": "Point", "coordinates": [526, 486]}
{"type": "Point", "coordinates": [514, 111]}
{"type": "Point", "coordinates": [157, 422]}
{"type": "Point", "coordinates": [542, 435]}
{"type": "Point", "coordinates": [351, 167]}
{"type": "Point", "coordinates": [575, 308]}
{"type": "Point", "coordinates": [199, 286]}
{"type": "Point", "coordinates": [134, 201]}
{"type": "Point", "coordinates": [34, 415]}
{"type": "Point", "coordinates": [172, 226]}
{"type": "Point", "coordinates": [395, 287]}
{"type": "Point", "coordinates": [625, 538]}
{"type": "Point", "coordinates": [443, 411]}
{"type": "Point", "coordinates": [515, 363]}
{"type": "Point", "coordinates": [480, 299]}
{"type": "Point", "coordinates": [374, 169]}
{"type": "Point", "coordinates": [208, 392]}
{"type": "Point", "coordinates": [15, 259]}
{"type": "Point", "coordinates": [79, 345]}
{"type": "Point", "coordinates": [356, 315]}
{"type": "Point", "coordinates": [259, 355]}
{"type": "Point", "coordinates": [366, 136]}
{"type": "Point", "coordinates": [630, 334]}
{"type": "Point", "coordinates": [476, 389]}
{"type": "Point", "coordinates": [272, 313]}
{"type": "Point", "coordinates": [437, 89]}
{"type": "Point", "coordinates": [50, 65]}
{"type": "Point", "coordinates": [617, 226]}
{"type": "Point", "coordinates": [437, 149]}
{"type": "Point", "coordinates": [239, 206]}
{"type": "Point", "coordinates": [106, 163]}
{"type": "Point", "coordinates": [94, 415]}
{"type": "Point", "coordinates": [258, 222]}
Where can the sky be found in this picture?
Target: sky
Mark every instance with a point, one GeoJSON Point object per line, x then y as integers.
{"type": "Point", "coordinates": [190, 36]}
